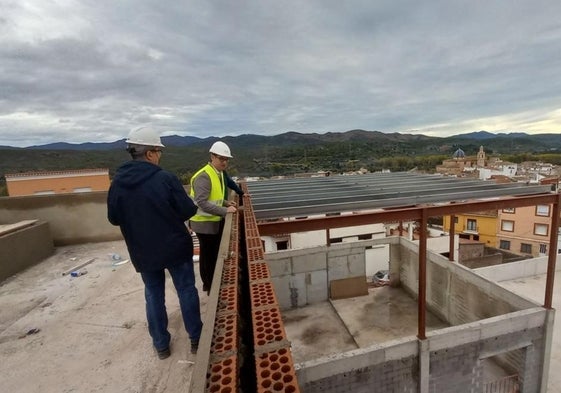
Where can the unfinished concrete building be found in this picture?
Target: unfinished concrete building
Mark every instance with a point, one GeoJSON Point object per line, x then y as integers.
{"type": "Point", "coordinates": [274, 325]}
{"type": "Point", "coordinates": [439, 326]}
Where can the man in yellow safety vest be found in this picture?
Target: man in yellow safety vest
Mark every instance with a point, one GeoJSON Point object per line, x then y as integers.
{"type": "Point", "coordinates": [208, 187]}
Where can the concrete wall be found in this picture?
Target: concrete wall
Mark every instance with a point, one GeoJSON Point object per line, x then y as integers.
{"type": "Point", "coordinates": [453, 359]}
{"type": "Point", "coordinates": [455, 293]}
{"type": "Point", "coordinates": [519, 269]}
{"type": "Point", "coordinates": [308, 239]}
{"type": "Point", "coordinates": [490, 323]}
{"type": "Point", "coordinates": [470, 250]}
{"type": "Point", "coordinates": [390, 367]}
{"type": "Point", "coordinates": [484, 260]}
{"type": "Point", "coordinates": [456, 354]}
{"type": "Point", "coordinates": [302, 276]}
{"type": "Point", "coordinates": [299, 240]}
{"type": "Point", "coordinates": [73, 218]}
{"type": "Point", "coordinates": [16, 252]}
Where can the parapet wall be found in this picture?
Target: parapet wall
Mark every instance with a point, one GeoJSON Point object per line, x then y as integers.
{"type": "Point", "coordinates": [24, 248]}
{"type": "Point", "coordinates": [519, 269]}
{"type": "Point", "coordinates": [73, 218]}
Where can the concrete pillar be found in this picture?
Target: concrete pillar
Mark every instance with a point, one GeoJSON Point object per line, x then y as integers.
{"type": "Point", "coordinates": [424, 366]}
{"type": "Point", "coordinates": [394, 264]}
{"type": "Point", "coordinates": [548, 338]}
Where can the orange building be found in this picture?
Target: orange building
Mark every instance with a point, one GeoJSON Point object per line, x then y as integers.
{"type": "Point", "coordinates": [57, 182]}
{"type": "Point", "coordinates": [525, 230]}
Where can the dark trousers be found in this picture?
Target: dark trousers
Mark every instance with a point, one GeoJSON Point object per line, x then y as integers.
{"type": "Point", "coordinates": [155, 293]}
{"type": "Point", "coordinates": [208, 252]}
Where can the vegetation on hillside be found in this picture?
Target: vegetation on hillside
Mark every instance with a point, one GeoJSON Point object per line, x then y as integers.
{"type": "Point", "coordinates": [292, 153]}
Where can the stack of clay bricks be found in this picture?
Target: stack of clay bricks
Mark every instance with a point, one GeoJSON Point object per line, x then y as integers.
{"type": "Point", "coordinates": [224, 364]}
{"type": "Point", "coordinates": [273, 359]}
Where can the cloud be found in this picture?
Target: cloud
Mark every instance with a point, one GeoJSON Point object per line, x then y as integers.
{"type": "Point", "coordinates": [74, 69]}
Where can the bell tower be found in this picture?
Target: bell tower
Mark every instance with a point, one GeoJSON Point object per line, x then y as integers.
{"type": "Point", "coordinates": [481, 157]}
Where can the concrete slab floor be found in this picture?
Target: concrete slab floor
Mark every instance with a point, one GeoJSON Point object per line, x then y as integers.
{"type": "Point", "coordinates": [385, 314]}
{"type": "Point", "coordinates": [341, 325]}
{"type": "Point", "coordinates": [91, 333]}
{"type": "Point", "coordinates": [534, 288]}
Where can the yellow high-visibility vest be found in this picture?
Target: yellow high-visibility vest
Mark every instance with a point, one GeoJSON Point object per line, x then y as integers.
{"type": "Point", "coordinates": [216, 193]}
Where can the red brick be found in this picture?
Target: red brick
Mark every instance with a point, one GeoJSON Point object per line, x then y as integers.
{"type": "Point", "coordinates": [262, 294]}
{"type": "Point", "coordinates": [226, 334]}
{"type": "Point", "coordinates": [259, 271]}
{"type": "Point", "coordinates": [223, 376]}
{"type": "Point", "coordinates": [275, 372]}
{"type": "Point", "coordinates": [267, 326]}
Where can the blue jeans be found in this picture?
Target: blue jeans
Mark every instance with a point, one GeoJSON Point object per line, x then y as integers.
{"type": "Point", "coordinates": [183, 278]}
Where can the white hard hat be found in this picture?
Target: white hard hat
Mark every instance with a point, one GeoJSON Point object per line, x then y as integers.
{"type": "Point", "coordinates": [146, 136]}
{"type": "Point", "coordinates": [221, 149]}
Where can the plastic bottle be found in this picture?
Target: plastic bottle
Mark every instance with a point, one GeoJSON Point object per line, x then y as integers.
{"type": "Point", "coordinates": [78, 273]}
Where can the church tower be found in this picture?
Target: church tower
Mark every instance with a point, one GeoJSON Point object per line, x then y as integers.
{"type": "Point", "coordinates": [480, 157]}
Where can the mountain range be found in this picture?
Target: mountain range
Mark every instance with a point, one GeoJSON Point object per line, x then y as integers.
{"type": "Point", "coordinates": [292, 152]}
{"type": "Point", "coordinates": [509, 140]}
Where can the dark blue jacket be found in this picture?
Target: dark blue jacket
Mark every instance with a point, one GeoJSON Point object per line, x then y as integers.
{"type": "Point", "coordinates": [151, 207]}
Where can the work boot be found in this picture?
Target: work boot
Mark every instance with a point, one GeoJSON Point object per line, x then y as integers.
{"type": "Point", "coordinates": [163, 353]}
{"type": "Point", "coordinates": [194, 346]}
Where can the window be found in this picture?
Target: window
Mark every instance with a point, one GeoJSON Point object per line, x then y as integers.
{"type": "Point", "coordinates": [509, 210]}
{"type": "Point", "coordinates": [541, 229]}
{"type": "Point", "coordinates": [471, 225]}
{"type": "Point", "coordinates": [507, 226]}
{"type": "Point", "coordinates": [543, 248]}
{"type": "Point", "coordinates": [336, 240]}
{"type": "Point", "coordinates": [526, 248]}
{"type": "Point", "coordinates": [455, 220]}
{"type": "Point", "coordinates": [83, 189]}
{"type": "Point", "coordinates": [504, 245]}
{"type": "Point", "coordinates": [367, 236]}
{"type": "Point", "coordinates": [542, 210]}
{"type": "Point", "coordinates": [282, 245]}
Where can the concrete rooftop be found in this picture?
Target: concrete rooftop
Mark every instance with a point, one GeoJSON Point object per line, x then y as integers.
{"type": "Point", "coordinates": [92, 334]}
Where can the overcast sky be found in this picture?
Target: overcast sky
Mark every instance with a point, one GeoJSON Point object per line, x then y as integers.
{"type": "Point", "coordinates": [92, 70]}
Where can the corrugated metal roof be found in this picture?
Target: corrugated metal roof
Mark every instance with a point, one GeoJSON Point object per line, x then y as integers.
{"type": "Point", "coordinates": [294, 197]}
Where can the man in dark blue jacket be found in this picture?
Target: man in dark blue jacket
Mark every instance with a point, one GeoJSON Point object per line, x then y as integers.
{"type": "Point", "coordinates": [150, 206]}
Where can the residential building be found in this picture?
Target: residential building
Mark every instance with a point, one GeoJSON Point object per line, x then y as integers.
{"type": "Point", "coordinates": [57, 182]}
{"type": "Point", "coordinates": [479, 226]}
{"type": "Point", "coordinates": [524, 230]}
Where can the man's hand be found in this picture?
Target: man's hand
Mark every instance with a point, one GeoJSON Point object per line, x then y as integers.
{"type": "Point", "coordinates": [231, 209]}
